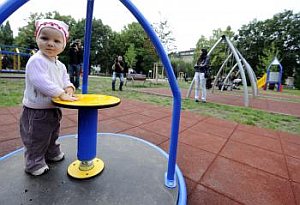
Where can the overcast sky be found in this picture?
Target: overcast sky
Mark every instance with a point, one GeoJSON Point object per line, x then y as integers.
{"type": "Point", "coordinates": [188, 19]}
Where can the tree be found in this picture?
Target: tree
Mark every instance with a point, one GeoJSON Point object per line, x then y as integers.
{"type": "Point", "coordinates": [102, 48]}
{"type": "Point", "coordinates": [280, 33]}
{"type": "Point", "coordinates": [165, 34]}
{"type": "Point", "coordinates": [220, 53]}
{"type": "Point", "coordinates": [203, 42]}
{"type": "Point", "coordinates": [145, 53]}
{"type": "Point", "coordinates": [130, 56]}
{"type": "Point", "coordinates": [6, 34]}
{"type": "Point", "coordinates": [26, 36]}
{"type": "Point", "coordinates": [297, 77]}
{"type": "Point", "coordinates": [269, 54]}
{"type": "Point", "coordinates": [181, 66]}
{"type": "Point", "coordinates": [287, 40]}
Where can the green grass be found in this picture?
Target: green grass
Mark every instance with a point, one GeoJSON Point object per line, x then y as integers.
{"type": "Point", "coordinates": [246, 115]}
{"type": "Point", "coordinates": [295, 92]}
{"type": "Point", "coordinates": [11, 91]}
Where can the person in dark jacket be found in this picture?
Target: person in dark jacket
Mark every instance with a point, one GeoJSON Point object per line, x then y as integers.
{"type": "Point", "coordinates": [118, 71]}
{"type": "Point", "coordinates": [75, 62]}
{"type": "Point", "coordinates": [201, 69]}
{"type": "Point", "coordinates": [4, 62]}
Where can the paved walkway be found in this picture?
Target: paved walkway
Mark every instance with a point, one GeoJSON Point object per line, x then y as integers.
{"type": "Point", "coordinates": [223, 162]}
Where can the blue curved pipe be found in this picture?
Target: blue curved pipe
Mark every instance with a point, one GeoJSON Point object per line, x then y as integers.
{"type": "Point", "coordinates": [170, 180]}
{"type": "Point", "coordinates": [7, 7]}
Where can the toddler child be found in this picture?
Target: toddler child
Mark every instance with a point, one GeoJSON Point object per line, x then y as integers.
{"type": "Point", "coordinates": [46, 77]}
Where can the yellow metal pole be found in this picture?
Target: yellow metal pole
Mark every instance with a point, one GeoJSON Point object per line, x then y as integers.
{"type": "Point", "coordinates": [19, 59]}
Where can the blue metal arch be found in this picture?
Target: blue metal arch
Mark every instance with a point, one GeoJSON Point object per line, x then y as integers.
{"type": "Point", "coordinates": [7, 7]}
{"type": "Point", "coordinates": [170, 175]}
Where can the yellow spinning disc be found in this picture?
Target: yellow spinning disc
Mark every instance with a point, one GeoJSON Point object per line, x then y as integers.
{"type": "Point", "coordinates": [75, 171]}
{"type": "Point", "coordinates": [89, 100]}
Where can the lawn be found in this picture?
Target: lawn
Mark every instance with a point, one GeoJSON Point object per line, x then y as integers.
{"type": "Point", "coordinates": [11, 91]}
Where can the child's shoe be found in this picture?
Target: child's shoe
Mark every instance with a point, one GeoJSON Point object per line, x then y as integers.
{"type": "Point", "coordinates": [40, 171]}
{"type": "Point", "coordinates": [58, 158]}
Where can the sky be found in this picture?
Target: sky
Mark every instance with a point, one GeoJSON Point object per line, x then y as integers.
{"type": "Point", "coordinates": [188, 19]}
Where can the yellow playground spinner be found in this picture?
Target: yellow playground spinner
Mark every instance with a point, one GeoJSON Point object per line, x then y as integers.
{"type": "Point", "coordinates": [89, 100]}
{"type": "Point", "coordinates": [87, 164]}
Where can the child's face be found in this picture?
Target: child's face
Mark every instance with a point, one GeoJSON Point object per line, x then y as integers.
{"type": "Point", "coordinates": [50, 42]}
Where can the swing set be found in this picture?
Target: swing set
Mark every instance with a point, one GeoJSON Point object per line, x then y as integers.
{"type": "Point", "coordinates": [229, 80]}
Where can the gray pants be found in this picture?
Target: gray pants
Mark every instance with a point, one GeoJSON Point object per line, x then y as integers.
{"type": "Point", "coordinates": [39, 129]}
{"type": "Point", "coordinates": [114, 78]}
{"type": "Point", "coordinates": [200, 81]}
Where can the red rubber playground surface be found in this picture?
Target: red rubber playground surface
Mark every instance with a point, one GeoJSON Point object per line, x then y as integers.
{"type": "Point", "coordinates": [223, 162]}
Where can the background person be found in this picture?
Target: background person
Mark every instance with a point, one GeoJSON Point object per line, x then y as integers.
{"type": "Point", "coordinates": [75, 62]}
{"type": "Point", "coordinates": [201, 70]}
{"type": "Point", "coordinates": [118, 72]}
{"type": "Point", "coordinates": [4, 62]}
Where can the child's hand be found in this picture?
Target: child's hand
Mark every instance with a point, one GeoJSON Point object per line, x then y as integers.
{"type": "Point", "coordinates": [67, 97]}
{"type": "Point", "coordinates": [70, 91]}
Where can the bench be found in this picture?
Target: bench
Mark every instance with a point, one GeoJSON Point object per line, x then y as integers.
{"type": "Point", "coordinates": [132, 77]}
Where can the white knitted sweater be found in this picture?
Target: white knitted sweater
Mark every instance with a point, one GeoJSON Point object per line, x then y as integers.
{"type": "Point", "coordinates": [45, 78]}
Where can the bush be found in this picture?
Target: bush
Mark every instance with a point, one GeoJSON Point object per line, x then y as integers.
{"type": "Point", "coordinates": [297, 78]}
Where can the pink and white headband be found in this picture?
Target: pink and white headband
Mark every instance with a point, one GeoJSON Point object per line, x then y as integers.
{"type": "Point", "coordinates": [52, 23]}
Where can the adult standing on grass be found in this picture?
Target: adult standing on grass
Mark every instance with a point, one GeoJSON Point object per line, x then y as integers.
{"type": "Point", "coordinates": [46, 77]}
{"type": "Point", "coordinates": [75, 62]}
{"type": "Point", "coordinates": [201, 72]}
{"type": "Point", "coordinates": [118, 72]}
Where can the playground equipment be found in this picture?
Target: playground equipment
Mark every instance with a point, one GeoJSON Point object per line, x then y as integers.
{"type": "Point", "coordinates": [274, 75]}
{"type": "Point", "coordinates": [173, 177]}
{"type": "Point", "coordinates": [157, 67]}
{"type": "Point", "coordinates": [16, 53]}
{"type": "Point", "coordinates": [262, 81]}
{"type": "Point", "coordinates": [242, 66]}
{"type": "Point", "coordinates": [87, 165]}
